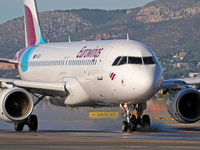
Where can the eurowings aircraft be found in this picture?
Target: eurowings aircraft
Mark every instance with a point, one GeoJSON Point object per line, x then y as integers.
{"type": "Point", "coordinates": [106, 73]}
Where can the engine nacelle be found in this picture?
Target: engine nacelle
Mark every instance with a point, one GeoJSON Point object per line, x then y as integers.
{"type": "Point", "coordinates": [184, 105]}
{"type": "Point", "coordinates": [16, 104]}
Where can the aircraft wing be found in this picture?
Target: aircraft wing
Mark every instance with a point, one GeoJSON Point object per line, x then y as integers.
{"type": "Point", "coordinates": [185, 81]}
{"type": "Point", "coordinates": [45, 88]}
{"type": "Point", "coordinates": [11, 61]}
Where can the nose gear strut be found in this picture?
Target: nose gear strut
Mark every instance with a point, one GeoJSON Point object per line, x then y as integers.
{"type": "Point", "coordinates": [131, 120]}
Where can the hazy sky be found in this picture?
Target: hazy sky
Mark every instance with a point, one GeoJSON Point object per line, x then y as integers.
{"type": "Point", "coordinates": [10, 9]}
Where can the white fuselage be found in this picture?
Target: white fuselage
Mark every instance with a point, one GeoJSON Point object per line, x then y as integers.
{"type": "Point", "coordinates": [91, 64]}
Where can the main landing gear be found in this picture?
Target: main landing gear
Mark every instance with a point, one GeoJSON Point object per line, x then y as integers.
{"type": "Point", "coordinates": [31, 121]}
{"type": "Point", "coordinates": [132, 122]}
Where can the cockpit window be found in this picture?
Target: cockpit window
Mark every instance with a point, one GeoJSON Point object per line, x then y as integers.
{"type": "Point", "coordinates": [123, 61]}
{"type": "Point", "coordinates": [116, 61]}
{"type": "Point", "coordinates": [134, 60]}
{"type": "Point", "coordinates": [149, 60]}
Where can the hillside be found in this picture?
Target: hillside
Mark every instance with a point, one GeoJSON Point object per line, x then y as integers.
{"type": "Point", "coordinates": [161, 10]}
{"type": "Point", "coordinates": [167, 26]}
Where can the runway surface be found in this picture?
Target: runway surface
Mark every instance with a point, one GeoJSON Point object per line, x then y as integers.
{"type": "Point", "coordinates": [61, 128]}
{"type": "Point", "coordinates": [170, 136]}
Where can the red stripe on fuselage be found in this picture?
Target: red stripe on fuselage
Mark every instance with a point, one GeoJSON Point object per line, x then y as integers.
{"type": "Point", "coordinates": [30, 29]}
{"type": "Point", "coordinates": [113, 77]}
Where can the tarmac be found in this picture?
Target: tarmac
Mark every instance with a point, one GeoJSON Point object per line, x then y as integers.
{"type": "Point", "coordinates": [61, 128]}
{"type": "Point", "coordinates": [174, 136]}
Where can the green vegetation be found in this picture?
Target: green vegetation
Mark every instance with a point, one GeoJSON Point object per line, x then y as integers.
{"type": "Point", "coordinates": [98, 16]}
{"type": "Point", "coordinates": [192, 58]}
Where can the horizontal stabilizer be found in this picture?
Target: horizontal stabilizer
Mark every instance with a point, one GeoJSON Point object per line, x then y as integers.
{"type": "Point", "coordinates": [10, 61]}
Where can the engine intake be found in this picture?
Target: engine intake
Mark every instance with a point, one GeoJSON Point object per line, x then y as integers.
{"type": "Point", "coordinates": [189, 105]}
{"type": "Point", "coordinates": [16, 104]}
{"type": "Point", "coordinates": [184, 106]}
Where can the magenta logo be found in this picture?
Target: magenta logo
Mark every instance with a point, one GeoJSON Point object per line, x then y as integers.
{"type": "Point", "coordinates": [89, 53]}
{"type": "Point", "coordinates": [112, 75]}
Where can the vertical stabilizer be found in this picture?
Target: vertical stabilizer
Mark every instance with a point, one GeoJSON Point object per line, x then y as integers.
{"type": "Point", "coordinates": [33, 32]}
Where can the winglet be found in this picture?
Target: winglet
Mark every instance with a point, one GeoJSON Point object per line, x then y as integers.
{"type": "Point", "coordinates": [33, 32]}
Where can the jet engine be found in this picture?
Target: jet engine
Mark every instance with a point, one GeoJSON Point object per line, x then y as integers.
{"type": "Point", "coordinates": [16, 104]}
{"type": "Point", "coordinates": [184, 105]}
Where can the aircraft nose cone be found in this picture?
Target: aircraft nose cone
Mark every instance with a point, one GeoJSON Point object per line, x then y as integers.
{"type": "Point", "coordinates": [145, 83]}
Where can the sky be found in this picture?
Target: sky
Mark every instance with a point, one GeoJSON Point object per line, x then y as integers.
{"type": "Point", "coordinates": [11, 9]}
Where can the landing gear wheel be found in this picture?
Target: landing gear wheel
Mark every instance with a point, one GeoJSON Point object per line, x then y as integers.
{"type": "Point", "coordinates": [133, 123]}
{"type": "Point", "coordinates": [145, 121]}
{"type": "Point", "coordinates": [19, 126]}
{"type": "Point", "coordinates": [33, 124]}
{"type": "Point", "coordinates": [124, 126]}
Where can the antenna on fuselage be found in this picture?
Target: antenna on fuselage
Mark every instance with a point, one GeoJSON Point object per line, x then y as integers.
{"type": "Point", "coordinates": [69, 39]}
{"type": "Point", "coordinates": [127, 37]}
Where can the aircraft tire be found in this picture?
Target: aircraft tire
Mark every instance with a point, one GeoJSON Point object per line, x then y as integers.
{"type": "Point", "coordinates": [19, 126]}
{"type": "Point", "coordinates": [33, 123]}
{"type": "Point", "coordinates": [124, 126]}
{"type": "Point", "coordinates": [133, 123]}
{"type": "Point", "coordinates": [145, 121]}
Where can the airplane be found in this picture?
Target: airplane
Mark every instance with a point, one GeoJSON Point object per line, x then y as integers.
{"type": "Point", "coordinates": [105, 73]}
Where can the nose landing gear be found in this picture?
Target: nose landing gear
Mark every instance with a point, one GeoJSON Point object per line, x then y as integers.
{"type": "Point", "coordinates": [131, 120]}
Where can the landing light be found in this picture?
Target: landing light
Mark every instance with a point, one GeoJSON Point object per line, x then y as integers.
{"type": "Point", "coordinates": [125, 105]}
